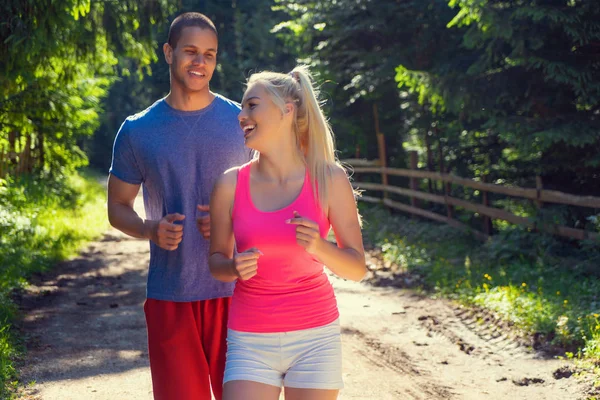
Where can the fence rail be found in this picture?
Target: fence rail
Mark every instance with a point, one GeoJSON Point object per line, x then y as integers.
{"type": "Point", "coordinates": [539, 195]}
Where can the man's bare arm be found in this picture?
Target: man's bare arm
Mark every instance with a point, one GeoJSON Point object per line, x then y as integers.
{"type": "Point", "coordinates": [121, 197]}
{"type": "Point", "coordinates": [121, 215]}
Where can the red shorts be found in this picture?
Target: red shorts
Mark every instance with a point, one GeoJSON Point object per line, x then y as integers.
{"type": "Point", "coordinates": [187, 347]}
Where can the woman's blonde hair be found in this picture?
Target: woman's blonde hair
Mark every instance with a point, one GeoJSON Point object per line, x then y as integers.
{"type": "Point", "coordinates": [314, 136]}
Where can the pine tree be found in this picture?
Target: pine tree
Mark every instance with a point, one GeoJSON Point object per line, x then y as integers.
{"type": "Point", "coordinates": [529, 81]}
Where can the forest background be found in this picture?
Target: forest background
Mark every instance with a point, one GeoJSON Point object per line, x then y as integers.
{"type": "Point", "coordinates": [497, 90]}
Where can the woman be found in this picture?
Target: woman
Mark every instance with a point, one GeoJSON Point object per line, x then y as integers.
{"type": "Point", "coordinates": [284, 322]}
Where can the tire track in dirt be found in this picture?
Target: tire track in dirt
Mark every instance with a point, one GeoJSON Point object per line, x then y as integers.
{"type": "Point", "coordinates": [416, 384]}
{"type": "Point", "coordinates": [475, 336]}
{"type": "Point", "coordinates": [452, 352]}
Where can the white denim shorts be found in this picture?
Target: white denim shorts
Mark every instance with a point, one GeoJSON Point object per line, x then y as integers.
{"type": "Point", "coordinates": [305, 359]}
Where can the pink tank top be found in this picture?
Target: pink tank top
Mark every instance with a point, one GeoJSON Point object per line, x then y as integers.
{"type": "Point", "coordinates": [290, 290]}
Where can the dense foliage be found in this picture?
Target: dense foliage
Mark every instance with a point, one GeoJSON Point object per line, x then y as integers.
{"type": "Point", "coordinates": [507, 88]}
{"type": "Point", "coordinates": [57, 59]}
{"type": "Point", "coordinates": [41, 223]}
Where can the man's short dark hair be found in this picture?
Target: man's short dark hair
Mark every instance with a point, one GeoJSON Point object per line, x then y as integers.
{"type": "Point", "coordinates": [185, 20]}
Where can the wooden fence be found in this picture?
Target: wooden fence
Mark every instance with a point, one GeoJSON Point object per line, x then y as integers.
{"type": "Point", "coordinates": [539, 195]}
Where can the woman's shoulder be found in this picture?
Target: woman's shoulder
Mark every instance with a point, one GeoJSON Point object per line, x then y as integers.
{"type": "Point", "coordinates": [230, 176]}
{"type": "Point", "coordinates": [336, 173]}
{"type": "Point", "coordinates": [338, 183]}
{"type": "Point", "coordinates": [224, 189]}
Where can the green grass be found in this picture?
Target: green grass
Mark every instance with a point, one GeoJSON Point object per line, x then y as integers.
{"type": "Point", "coordinates": [543, 285]}
{"type": "Point", "coordinates": [42, 221]}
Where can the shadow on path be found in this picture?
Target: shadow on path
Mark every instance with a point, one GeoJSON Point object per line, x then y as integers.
{"type": "Point", "coordinates": [85, 317]}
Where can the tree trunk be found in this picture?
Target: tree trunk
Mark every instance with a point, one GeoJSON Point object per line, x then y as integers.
{"type": "Point", "coordinates": [42, 155]}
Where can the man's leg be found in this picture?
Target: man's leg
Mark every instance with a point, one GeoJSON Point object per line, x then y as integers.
{"type": "Point", "coordinates": [214, 335]}
{"type": "Point", "coordinates": [177, 360]}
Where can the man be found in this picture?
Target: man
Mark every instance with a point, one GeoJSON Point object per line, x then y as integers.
{"type": "Point", "coordinates": [177, 148]}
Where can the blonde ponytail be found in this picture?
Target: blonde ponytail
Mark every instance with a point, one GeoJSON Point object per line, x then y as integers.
{"type": "Point", "coordinates": [314, 136]}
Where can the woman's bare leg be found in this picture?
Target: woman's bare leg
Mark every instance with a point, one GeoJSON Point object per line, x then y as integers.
{"type": "Point", "coordinates": [249, 390]}
{"type": "Point", "coordinates": [310, 394]}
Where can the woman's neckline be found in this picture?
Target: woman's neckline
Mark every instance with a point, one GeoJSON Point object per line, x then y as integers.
{"type": "Point", "coordinates": [284, 208]}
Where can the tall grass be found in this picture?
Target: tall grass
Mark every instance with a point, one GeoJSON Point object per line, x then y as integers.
{"type": "Point", "coordinates": [545, 286]}
{"type": "Point", "coordinates": [42, 221]}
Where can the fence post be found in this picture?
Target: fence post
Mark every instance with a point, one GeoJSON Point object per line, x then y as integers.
{"type": "Point", "coordinates": [539, 187]}
{"type": "Point", "coordinates": [414, 185]}
{"type": "Point", "coordinates": [538, 203]}
{"type": "Point", "coordinates": [429, 160]}
{"type": "Point", "coordinates": [487, 222]}
{"type": "Point", "coordinates": [440, 158]}
{"type": "Point", "coordinates": [381, 151]}
{"type": "Point", "coordinates": [447, 186]}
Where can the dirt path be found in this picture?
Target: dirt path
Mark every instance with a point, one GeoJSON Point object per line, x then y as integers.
{"type": "Point", "coordinates": [87, 339]}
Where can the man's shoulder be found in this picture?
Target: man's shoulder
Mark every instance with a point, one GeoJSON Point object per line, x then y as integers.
{"type": "Point", "coordinates": [147, 115]}
{"type": "Point", "coordinates": [228, 104]}
{"type": "Point", "coordinates": [143, 121]}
